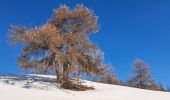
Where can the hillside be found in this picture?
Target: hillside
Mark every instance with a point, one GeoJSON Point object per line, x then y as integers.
{"type": "Point", "coordinates": [33, 87]}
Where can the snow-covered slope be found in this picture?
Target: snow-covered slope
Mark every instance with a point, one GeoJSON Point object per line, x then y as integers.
{"type": "Point", "coordinates": [13, 87]}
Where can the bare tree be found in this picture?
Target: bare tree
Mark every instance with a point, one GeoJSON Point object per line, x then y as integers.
{"type": "Point", "coordinates": [142, 78]}
{"type": "Point", "coordinates": [108, 75]}
{"type": "Point", "coordinates": [167, 89]}
{"type": "Point", "coordinates": [61, 45]}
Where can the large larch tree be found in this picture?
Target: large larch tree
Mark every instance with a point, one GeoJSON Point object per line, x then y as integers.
{"type": "Point", "coordinates": [60, 46]}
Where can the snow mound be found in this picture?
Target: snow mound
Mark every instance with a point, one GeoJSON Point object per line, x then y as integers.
{"type": "Point", "coordinates": [43, 87]}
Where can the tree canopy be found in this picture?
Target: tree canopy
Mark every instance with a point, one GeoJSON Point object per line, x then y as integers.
{"type": "Point", "coordinates": [62, 45]}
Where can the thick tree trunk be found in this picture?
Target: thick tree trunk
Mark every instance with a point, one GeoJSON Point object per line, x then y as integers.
{"type": "Point", "coordinates": [65, 72]}
{"type": "Point", "coordinates": [58, 76]}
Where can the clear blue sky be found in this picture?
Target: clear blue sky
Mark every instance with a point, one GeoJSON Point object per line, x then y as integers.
{"type": "Point", "coordinates": [129, 29]}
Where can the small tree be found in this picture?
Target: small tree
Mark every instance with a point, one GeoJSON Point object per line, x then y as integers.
{"type": "Point", "coordinates": [167, 89]}
{"type": "Point", "coordinates": [108, 75]}
{"type": "Point", "coordinates": [161, 87]}
{"type": "Point", "coordinates": [61, 45]}
{"type": "Point", "coordinates": [142, 78]}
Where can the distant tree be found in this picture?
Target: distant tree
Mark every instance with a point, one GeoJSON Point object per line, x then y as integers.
{"type": "Point", "coordinates": [156, 87]}
{"type": "Point", "coordinates": [61, 45]}
{"type": "Point", "coordinates": [142, 78]}
{"type": "Point", "coordinates": [161, 87]}
{"type": "Point", "coordinates": [167, 89]}
{"type": "Point", "coordinates": [108, 75]}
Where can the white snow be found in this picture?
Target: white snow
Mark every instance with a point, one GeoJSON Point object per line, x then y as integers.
{"type": "Point", "coordinates": [13, 88]}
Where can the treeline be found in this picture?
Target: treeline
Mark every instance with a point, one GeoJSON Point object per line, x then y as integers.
{"type": "Point", "coordinates": [62, 47]}
{"type": "Point", "coordinates": [142, 78]}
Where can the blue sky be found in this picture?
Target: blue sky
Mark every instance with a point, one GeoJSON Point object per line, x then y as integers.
{"type": "Point", "coordinates": [129, 29]}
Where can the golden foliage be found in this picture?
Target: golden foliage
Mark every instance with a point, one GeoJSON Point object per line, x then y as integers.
{"type": "Point", "coordinates": [61, 45]}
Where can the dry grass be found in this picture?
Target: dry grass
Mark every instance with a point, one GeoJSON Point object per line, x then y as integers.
{"type": "Point", "coordinates": [76, 86]}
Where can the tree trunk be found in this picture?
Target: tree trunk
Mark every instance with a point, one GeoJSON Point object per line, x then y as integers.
{"type": "Point", "coordinates": [65, 72]}
{"type": "Point", "coordinates": [58, 76]}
